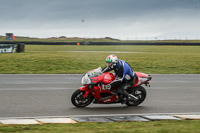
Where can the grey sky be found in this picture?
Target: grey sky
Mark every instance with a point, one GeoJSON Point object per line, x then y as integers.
{"type": "Point", "coordinates": [122, 19]}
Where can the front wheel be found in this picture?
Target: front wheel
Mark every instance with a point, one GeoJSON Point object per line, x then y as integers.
{"type": "Point", "coordinates": [78, 99]}
{"type": "Point", "coordinates": [139, 92]}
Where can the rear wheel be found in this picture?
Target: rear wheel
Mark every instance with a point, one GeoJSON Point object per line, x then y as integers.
{"type": "Point", "coordinates": [139, 92]}
{"type": "Point", "coordinates": [78, 99]}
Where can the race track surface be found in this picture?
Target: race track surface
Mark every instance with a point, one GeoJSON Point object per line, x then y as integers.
{"type": "Point", "coordinates": [50, 95]}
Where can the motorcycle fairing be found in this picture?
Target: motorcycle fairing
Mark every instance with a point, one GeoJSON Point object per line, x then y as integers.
{"type": "Point", "coordinates": [96, 92]}
{"type": "Point", "coordinates": [141, 78]}
{"type": "Point", "coordinates": [105, 78]}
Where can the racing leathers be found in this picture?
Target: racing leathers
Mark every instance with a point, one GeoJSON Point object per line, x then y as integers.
{"type": "Point", "coordinates": [124, 77]}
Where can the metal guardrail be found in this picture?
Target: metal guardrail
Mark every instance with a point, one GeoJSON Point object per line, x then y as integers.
{"type": "Point", "coordinates": [101, 43]}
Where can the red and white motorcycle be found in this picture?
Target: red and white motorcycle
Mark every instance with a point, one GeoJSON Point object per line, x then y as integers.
{"type": "Point", "coordinates": [92, 90]}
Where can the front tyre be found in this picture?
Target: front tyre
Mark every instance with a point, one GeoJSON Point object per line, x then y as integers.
{"type": "Point", "coordinates": [139, 92]}
{"type": "Point", "coordinates": [78, 99]}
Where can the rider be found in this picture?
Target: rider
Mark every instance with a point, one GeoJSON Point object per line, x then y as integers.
{"type": "Point", "coordinates": [124, 76]}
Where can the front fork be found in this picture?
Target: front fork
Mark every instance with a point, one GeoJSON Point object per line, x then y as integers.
{"type": "Point", "coordinates": [84, 88]}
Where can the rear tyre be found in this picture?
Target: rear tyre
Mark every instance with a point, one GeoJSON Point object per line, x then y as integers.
{"type": "Point", "coordinates": [138, 92]}
{"type": "Point", "coordinates": [78, 99]}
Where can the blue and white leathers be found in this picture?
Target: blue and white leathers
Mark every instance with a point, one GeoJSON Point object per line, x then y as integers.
{"type": "Point", "coordinates": [124, 73]}
{"type": "Point", "coordinates": [127, 71]}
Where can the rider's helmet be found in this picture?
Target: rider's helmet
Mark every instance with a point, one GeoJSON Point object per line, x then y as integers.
{"type": "Point", "coordinates": [112, 60]}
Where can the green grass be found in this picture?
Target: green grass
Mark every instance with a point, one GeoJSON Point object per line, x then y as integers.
{"type": "Point", "coordinates": [191, 126]}
{"type": "Point", "coordinates": [55, 59]}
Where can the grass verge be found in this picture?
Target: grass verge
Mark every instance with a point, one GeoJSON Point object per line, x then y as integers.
{"type": "Point", "coordinates": [191, 126]}
{"type": "Point", "coordinates": [42, 59]}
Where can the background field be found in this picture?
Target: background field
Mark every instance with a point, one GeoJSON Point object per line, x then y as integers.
{"type": "Point", "coordinates": [57, 59]}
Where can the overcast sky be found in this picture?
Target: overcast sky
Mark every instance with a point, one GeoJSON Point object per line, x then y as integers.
{"type": "Point", "coordinates": [121, 19]}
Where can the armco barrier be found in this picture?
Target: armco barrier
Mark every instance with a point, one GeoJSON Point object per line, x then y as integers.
{"type": "Point", "coordinates": [102, 43]}
{"type": "Point", "coordinates": [142, 43]}
{"type": "Point", "coordinates": [38, 43]}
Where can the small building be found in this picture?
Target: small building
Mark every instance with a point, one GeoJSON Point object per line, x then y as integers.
{"type": "Point", "coordinates": [10, 36]}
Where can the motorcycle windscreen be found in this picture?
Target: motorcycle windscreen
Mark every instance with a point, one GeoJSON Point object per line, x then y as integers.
{"type": "Point", "coordinates": [85, 80]}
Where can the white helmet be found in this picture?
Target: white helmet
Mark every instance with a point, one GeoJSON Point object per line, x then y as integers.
{"type": "Point", "coordinates": [111, 60]}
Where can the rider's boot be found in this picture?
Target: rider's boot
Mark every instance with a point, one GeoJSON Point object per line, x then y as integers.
{"type": "Point", "coordinates": [124, 97]}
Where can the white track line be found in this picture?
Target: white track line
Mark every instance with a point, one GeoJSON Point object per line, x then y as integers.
{"type": "Point", "coordinates": [102, 51]}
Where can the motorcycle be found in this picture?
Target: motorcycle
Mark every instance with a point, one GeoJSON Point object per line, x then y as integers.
{"type": "Point", "coordinates": [93, 90]}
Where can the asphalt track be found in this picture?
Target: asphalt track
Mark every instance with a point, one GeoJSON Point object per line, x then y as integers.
{"type": "Point", "coordinates": [49, 95]}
